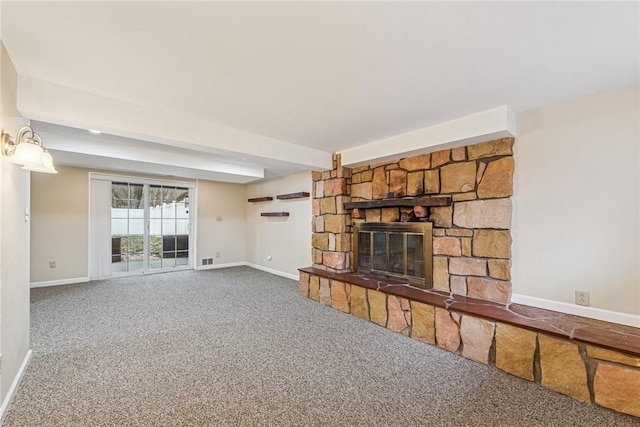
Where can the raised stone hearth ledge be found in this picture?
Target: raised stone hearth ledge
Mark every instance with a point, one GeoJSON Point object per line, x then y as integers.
{"type": "Point", "coordinates": [590, 360]}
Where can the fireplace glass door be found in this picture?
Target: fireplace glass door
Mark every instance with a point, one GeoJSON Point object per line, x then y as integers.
{"type": "Point", "coordinates": [398, 250]}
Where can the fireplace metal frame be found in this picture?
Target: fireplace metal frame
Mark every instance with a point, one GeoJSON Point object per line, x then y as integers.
{"type": "Point", "coordinates": [405, 228]}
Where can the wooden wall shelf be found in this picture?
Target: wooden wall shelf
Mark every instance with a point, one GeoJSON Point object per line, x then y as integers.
{"type": "Point", "coordinates": [299, 195]}
{"type": "Point", "coordinates": [260, 199]}
{"type": "Point", "coordinates": [274, 214]}
{"type": "Point", "coordinates": [414, 201]}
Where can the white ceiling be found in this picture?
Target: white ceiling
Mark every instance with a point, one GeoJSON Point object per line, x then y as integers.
{"type": "Point", "coordinates": [279, 85]}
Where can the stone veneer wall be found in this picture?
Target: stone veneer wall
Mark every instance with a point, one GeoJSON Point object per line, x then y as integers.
{"type": "Point", "coordinates": [472, 238]}
{"type": "Point", "coordinates": [588, 373]}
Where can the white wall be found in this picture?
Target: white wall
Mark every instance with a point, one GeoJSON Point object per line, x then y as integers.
{"type": "Point", "coordinates": [60, 224]}
{"type": "Point", "coordinates": [288, 239]}
{"type": "Point", "coordinates": [221, 222]}
{"type": "Point", "coordinates": [14, 246]}
{"type": "Point", "coordinates": [576, 203]}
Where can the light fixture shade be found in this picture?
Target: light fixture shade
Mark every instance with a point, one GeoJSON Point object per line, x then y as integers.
{"type": "Point", "coordinates": [46, 166]}
{"type": "Point", "coordinates": [27, 154]}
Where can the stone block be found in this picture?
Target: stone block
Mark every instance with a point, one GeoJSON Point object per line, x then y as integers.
{"type": "Point", "coordinates": [423, 327]}
{"type": "Point", "coordinates": [406, 214]}
{"type": "Point", "coordinates": [389, 214]}
{"type": "Point", "coordinates": [343, 242]}
{"type": "Point", "coordinates": [612, 356]}
{"type": "Point", "coordinates": [397, 320]}
{"type": "Point", "coordinates": [439, 158]}
{"type": "Point", "coordinates": [461, 197]}
{"type": "Point", "coordinates": [332, 241]}
{"type": "Point", "coordinates": [303, 284]}
{"type": "Point", "coordinates": [459, 232]}
{"type": "Point", "coordinates": [358, 213]}
{"type": "Point", "coordinates": [335, 187]}
{"type": "Point", "coordinates": [482, 166]}
{"type": "Point", "coordinates": [325, 291]}
{"type": "Point", "coordinates": [326, 175]}
{"type": "Point", "coordinates": [415, 183]}
{"type": "Point", "coordinates": [372, 215]}
{"type": "Point", "coordinates": [340, 296]}
{"type": "Point", "coordinates": [458, 154]}
{"type": "Point", "coordinates": [317, 256]}
{"type": "Point", "coordinates": [497, 180]}
{"type": "Point", "coordinates": [458, 177]}
{"type": "Point", "coordinates": [440, 273]}
{"type": "Point", "coordinates": [335, 260]}
{"type": "Point", "coordinates": [446, 246]}
{"type": "Point", "coordinates": [498, 147]}
{"type": "Point", "coordinates": [340, 201]}
{"type": "Point", "coordinates": [380, 186]}
{"type": "Point", "coordinates": [315, 207]}
{"type": "Point", "coordinates": [442, 216]}
{"type": "Point", "coordinates": [463, 266]}
{"type": "Point", "coordinates": [477, 337]}
{"type": "Point", "coordinates": [335, 223]}
{"type": "Point", "coordinates": [318, 224]}
{"type": "Point", "coordinates": [492, 244]}
{"type": "Point", "coordinates": [314, 288]}
{"type": "Point", "coordinates": [359, 303]}
{"type": "Point", "coordinates": [367, 175]}
{"type": "Point", "coordinates": [363, 190]}
{"type": "Point", "coordinates": [398, 183]}
{"type": "Point", "coordinates": [360, 169]}
{"type": "Point", "coordinates": [316, 176]}
{"type": "Point", "coordinates": [466, 246]}
{"type": "Point", "coordinates": [414, 163]}
{"type": "Point", "coordinates": [432, 182]}
{"type": "Point", "coordinates": [489, 289]}
{"type": "Point", "coordinates": [494, 213]}
{"type": "Point", "coordinates": [391, 166]}
{"type": "Point", "coordinates": [377, 307]}
{"type": "Point", "coordinates": [319, 189]}
{"type": "Point", "coordinates": [458, 285]}
{"type": "Point", "coordinates": [562, 368]}
{"type": "Point", "coordinates": [617, 388]}
{"type": "Point", "coordinates": [356, 178]}
{"type": "Point", "coordinates": [320, 241]}
{"type": "Point", "coordinates": [328, 205]}
{"type": "Point", "coordinates": [499, 269]}
{"type": "Point", "coordinates": [447, 329]}
{"type": "Point", "coordinates": [515, 350]}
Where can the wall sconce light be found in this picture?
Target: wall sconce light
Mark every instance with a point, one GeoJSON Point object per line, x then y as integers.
{"type": "Point", "coordinates": [27, 150]}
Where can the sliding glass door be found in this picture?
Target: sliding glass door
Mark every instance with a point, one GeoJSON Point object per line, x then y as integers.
{"type": "Point", "coordinates": [145, 227]}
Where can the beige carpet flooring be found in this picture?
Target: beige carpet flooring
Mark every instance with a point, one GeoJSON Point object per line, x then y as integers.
{"type": "Point", "coordinates": [239, 347]}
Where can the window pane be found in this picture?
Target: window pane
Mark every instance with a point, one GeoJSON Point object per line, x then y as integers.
{"type": "Point", "coordinates": [379, 251]}
{"type": "Point", "coordinates": [415, 261]}
{"type": "Point", "coordinates": [364, 250]}
{"type": "Point", "coordinates": [396, 255]}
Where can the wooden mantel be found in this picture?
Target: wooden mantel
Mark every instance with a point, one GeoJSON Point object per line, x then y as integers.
{"type": "Point", "coordinates": [412, 201]}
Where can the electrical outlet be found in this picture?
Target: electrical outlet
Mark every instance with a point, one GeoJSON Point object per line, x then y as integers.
{"type": "Point", "coordinates": [582, 297]}
{"type": "Point", "coordinates": [52, 264]}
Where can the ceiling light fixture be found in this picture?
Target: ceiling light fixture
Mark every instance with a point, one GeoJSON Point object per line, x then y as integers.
{"type": "Point", "coordinates": [27, 150]}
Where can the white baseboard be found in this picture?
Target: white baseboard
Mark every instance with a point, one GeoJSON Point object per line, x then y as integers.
{"type": "Point", "coordinates": [272, 271]}
{"type": "Point", "coordinates": [14, 386]}
{"type": "Point", "coordinates": [579, 310]}
{"type": "Point", "coordinates": [59, 282]}
{"type": "Point", "coordinates": [214, 266]}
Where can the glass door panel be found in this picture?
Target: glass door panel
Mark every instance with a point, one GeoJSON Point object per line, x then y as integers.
{"type": "Point", "coordinates": [127, 227]}
{"type": "Point", "coordinates": [149, 227]}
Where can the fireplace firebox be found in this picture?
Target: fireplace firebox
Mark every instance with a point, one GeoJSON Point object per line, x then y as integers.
{"type": "Point", "coordinates": [395, 250]}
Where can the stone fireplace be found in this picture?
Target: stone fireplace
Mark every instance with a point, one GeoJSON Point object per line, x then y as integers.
{"type": "Point", "coordinates": [463, 302]}
{"type": "Point", "coordinates": [464, 192]}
